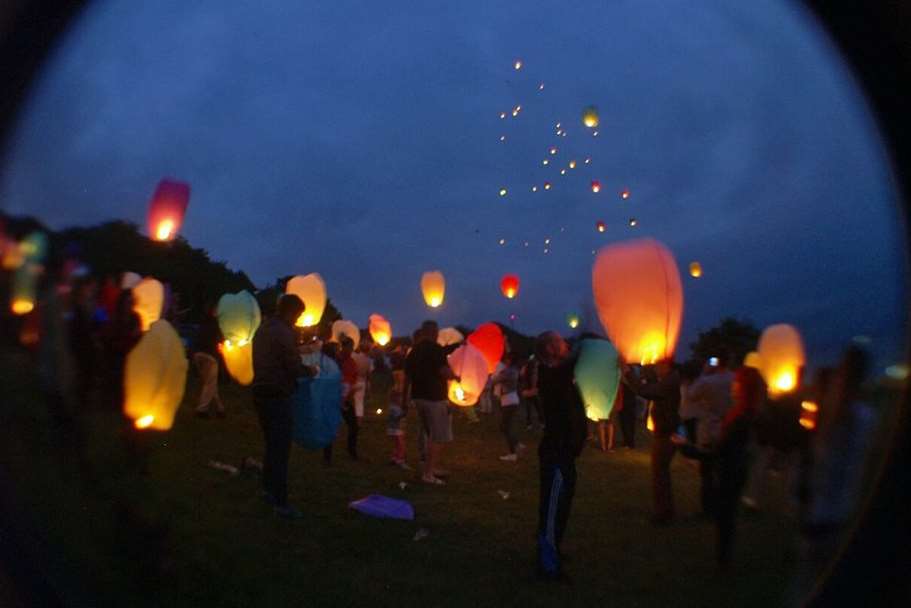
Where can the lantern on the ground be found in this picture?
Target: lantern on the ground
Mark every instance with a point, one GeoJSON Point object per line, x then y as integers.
{"type": "Point", "coordinates": [148, 301]}
{"type": "Point", "coordinates": [238, 317]}
{"type": "Point", "coordinates": [380, 329]}
{"type": "Point", "coordinates": [312, 290]}
{"type": "Point", "coordinates": [346, 328]}
{"type": "Point", "coordinates": [590, 117]}
{"type": "Point", "coordinates": [781, 358]}
{"type": "Point", "coordinates": [433, 286]}
{"type": "Point", "coordinates": [448, 336]}
{"type": "Point", "coordinates": [469, 364]}
{"type": "Point", "coordinates": [155, 377]}
{"type": "Point", "coordinates": [167, 208]}
{"type": "Point", "coordinates": [488, 338]}
{"type": "Point", "coordinates": [597, 374]}
{"type": "Point", "coordinates": [509, 286]}
{"type": "Point", "coordinates": [639, 299]}
{"type": "Point", "coordinates": [695, 270]}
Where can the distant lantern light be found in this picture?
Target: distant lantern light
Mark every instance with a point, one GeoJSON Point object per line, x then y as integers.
{"type": "Point", "coordinates": [572, 164]}
{"type": "Point", "coordinates": [695, 270]}
{"type": "Point", "coordinates": [502, 241]}
{"type": "Point", "coordinates": [545, 161]}
{"type": "Point", "coordinates": [562, 171]}
{"type": "Point", "coordinates": [541, 87]}
{"type": "Point", "coordinates": [534, 188]}
{"type": "Point", "coordinates": [588, 160]}
{"type": "Point", "coordinates": [590, 117]}
{"type": "Point", "coordinates": [518, 64]}
{"type": "Point", "coordinates": [502, 191]}
{"type": "Point", "coordinates": [553, 151]}
{"type": "Point", "coordinates": [512, 316]}
{"type": "Point", "coordinates": [572, 319]}
{"type": "Point", "coordinates": [509, 285]}
{"type": "Point", "coordinates": [167, 209]}
{"type": "Point", "coordinates": [563, 134]}
{"type": "Point", "coordinates": [596, 186]}
{"type": "Point", "coordinates": [502, 114]}
{"type": "Point", "coordinates": [502, 138]}
{"type": "Point", "coordinates": [558, 125]}
{"type": "Point", "coordinates": [633, 222]}
{"type": "Point", "coordinates": [594, 134]}
{"type": "Point", "coordinates": [624, 194]}
{"type": "Point", "coordinates": [547, 185]}
{"type": "Point", "coordinates": [312, 290]}
{"type": "Point", "coordinates": [526, 243]}
{"type": "Point", "coordinates": [600, 226]}
{"type": "Point", "coordinates": [547, 241]}
{"type": "Point", "coordinates": [516, 110]}
{"type": "Point", "coordinates": [433, 287]}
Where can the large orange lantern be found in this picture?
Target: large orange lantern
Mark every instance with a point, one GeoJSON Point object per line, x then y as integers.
{"type": "Point", "coordinates": [509, 285]}
{"type": "Point", "coordinates": [449, 336]}
{"type": "Point", "coordinates": [433, 286]}
{"type": "Point", "coordinates": [380, 329]}
{"type": "Point", "coordinates": [238, 317]}
{"type": "Point", "coordinates": [781, 357]}
{"type": "Point", "coordinates": [488, 338]}
{"type": "Point", "coordinates": [346, 328]}
{"type": "Point", "coordinates": [155, 378]}
{"type": "Point", "coordinates": [148, 301]}
{"type": "Point", "coordinates": [639, 299]}
{"type": "Point", "coordinates": [167, 208]}
{"type": "Point", "coordinates": [470, 365]}
{"type": "Point", "coordinates": [312, 290]}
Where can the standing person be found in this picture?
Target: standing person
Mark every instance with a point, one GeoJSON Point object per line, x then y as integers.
{"type": "Point", "coordinates": [349, 379]}
{"type": "Point", "coordinates": [747, 393]}
{"type": "Point", "coordinates": [205, 358]}
{"type": "Point", "coordinates": [426, 375]}
{"type": "Point", "coordinates": [276, 367]}
{"type": "Point", "coordinates": [565, 427]}
{"type": "Point", "coordinates": [330, 360]}
{"type": "Point", "coordinates": [508, 381]}
{"type": "Point", "coordinates": [364, 366]}
{"type": "Point", "coordinates": [627, 414]}
{"type": "Point", "coordinates": [119, 336]}
{"type": "Point", "coordinates": [528, 384]}
{"type": "Point", "coordinates": [395, 427]}
{"type": "Point", "coordinates": [664, 392]}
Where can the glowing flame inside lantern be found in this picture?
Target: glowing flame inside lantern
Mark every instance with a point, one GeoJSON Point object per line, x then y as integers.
{"type": "Point", "coordinates": [808, 410]}
{"type": "Point", "coordinates": [518, 64]}
{"type": "Point", "coordinates": [651, 348]}
{"type": "Point", "coordinates": [144, 422]}
{"type": "Point", "coordinates": [695, 270]}
{"type": "Point", "coordinates": [164, 230]}
{"type": "Point", "coordinates": [590, 117]}
{"type": "Point", "coordinates": [21, 306]}
{"type": "Point", "coordinates": [600, 226]}
{"type": "Point", "coordinates": [785, 381]}
{"type": "Point", "coordinates": [596, 186]}
{"type": "Point", "coordinates": [650, 423]}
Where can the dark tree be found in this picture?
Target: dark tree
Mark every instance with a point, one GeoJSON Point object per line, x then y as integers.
{"type": "Point", "coordinates": [731, 340]}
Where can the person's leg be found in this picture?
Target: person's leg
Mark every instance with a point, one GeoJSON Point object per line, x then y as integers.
{"type": "Point", "coordinates": [281, 432]}
{"type": "Point", "coordinates": [601, 436]}
{"type": "Point", "coordinates": [263, 411]}
{"type": "Point", "coordinates": [662, 452]}
{"type": "Point", "coordinates": [708, 485]}
{"type": "Point", "coordinates": [564, 505]}
{"type": "Point", "coordinates": [539, 411]}
{"type": "Point", "coordinates": [610, 434]}
{"type": "Point", "coordinates": [204, 364]}
{"type": "Point", "coordinates": [348, 413]}
{"type": "Point", "coordinates": [551, 478]}
{"type": "Point", "coordinates": [512, 438]}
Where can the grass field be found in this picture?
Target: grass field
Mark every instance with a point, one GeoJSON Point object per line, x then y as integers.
{"type": "Point", "coordinates": [224, 547]}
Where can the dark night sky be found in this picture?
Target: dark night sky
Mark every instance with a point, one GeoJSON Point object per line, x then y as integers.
{"type": "Point", "coordinates": [361, 140]}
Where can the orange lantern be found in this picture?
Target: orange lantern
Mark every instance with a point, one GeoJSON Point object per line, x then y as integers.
{"type": "Point", "coordinates": [312, 290]}
{"type": "Point", "coordinates": [590, 117]}
{"type": "Point", "coordinates": [695, 270]}
{"type": "Point", "coordinates": [433, 286]}
{"type": "Point", "coordinates": [488, 338]}
{"type": "Point", "coordinates": [600, 226]}
{"type": "Point", "coordinates": [509, 285]}
{"type": "Point", "coordinates": [809, 411]}
{"type": "Point", "coordinates": [380, 329]}
{"type": "Point", "coordinates": [624, 194]}
{"type": "Point", "coordinates": [24, 289]}
{"type": "Point", "coordinates": [596, 186]}
{"type": "Point", "coordinates": [639, 299]}
{"type": "Point", "coordinates": [781, 357]}
{"type": "Point", "coordinates": [547, 185]}
{"type": "Point", "coordinates": [167, 208]}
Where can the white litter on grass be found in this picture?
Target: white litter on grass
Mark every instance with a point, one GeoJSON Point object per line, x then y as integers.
{"type": "Point", "coordinates": [402, 485]}
{"type": "Point", "coordinates": [251, 463]}
{"type": "Point", "coordinates": [227, 468]}
{"type": "Point", "coordinates": [421, 534]}
{"type": "Point", "coordinates": [503, 495]}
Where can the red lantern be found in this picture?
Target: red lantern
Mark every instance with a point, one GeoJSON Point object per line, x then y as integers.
{"type": "Point", "coordinates": [596, 186]}
{"type": "Point", "coordinates": [600, 226]}
{"type": "Point", "coordinates": [167, 208]}
{"type": "Point", "coordinates": [488, 339]}
{"type": "Point", "coordinates": [624, 194]}
{"type": "Point", "coordinates": [509, 285]}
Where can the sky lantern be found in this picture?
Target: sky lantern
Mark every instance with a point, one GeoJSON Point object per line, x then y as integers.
{"type": "Point", "coordinates": [633, 222]}
{"type": "Point", "coordinates": [695, 270]}
{"type": "Point", "coordinates": [155, 378]}
{"type": "Point", "coordinates": [312, 290]}
{"type": "Point", "coordinates": [590, 117]}
{"type": "Point", "coordinates": [553, 151]}
{"type": "Point", "coordinates": [639, 299]}
{"type": "Point", "coordinates": [488, 338]}
{"type": "Point", "coordinates": [238, 317]}
{"type": "Point", "coordinates": [345, 328]}
{"type": "Point", "coordinates": [624, 194]}
{"type": "Point", "coordinates": [509, 285]}
{"type": "Point", "coordinates": [470, 365]}
{"type": "Point", "coordinates": [809, 412]}
{"type": "Point", "coordinates": [516, 110]}
{"type": "Point", "coordinates": [148, 301]}
{"type": "Point", "coordinates": [596, 186]}
{"type": "Point", "coordinates": [600, 226]}
{"type": "Point", "coordinates": [781, 358]}
{"type": "Point", "coordinates": [502, 114]}
{"type": "Point", "coordinates": [23, 296]}
{"type": "Point", "coordinates": [547, 185]}
{"type": "Point", "coordinates": [502, 191]}
{"type": "Point", "coordinates": [433, 286]}
{"type": "Point", "coordinates": [167, 208]}
{"type": "Point", "coordinates": [572, 319]}
{"type": "Point", "coordinates": [517, 64]}
{"type": "Point", "coordinates": [545, 162]}
{"type": "Point", "coordinates": [450, 335]}
{"type": "Point", "coordinates": [572, 164]}
{"type": "Point", "coordinates": [597, 374]}
{"type": "Point", "coordinates": [753, 360]}
{"type": "Point", "coordinates": [380, 329]}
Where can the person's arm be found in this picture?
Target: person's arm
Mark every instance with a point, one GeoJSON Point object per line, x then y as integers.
{"type": "Point", "coordinates": [291, 360]}
{"type": "Point", "coordinates": [656, 390]}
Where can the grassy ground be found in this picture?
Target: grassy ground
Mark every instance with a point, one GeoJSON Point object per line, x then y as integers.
{"type": "Point", "coordinates": [224, 547]}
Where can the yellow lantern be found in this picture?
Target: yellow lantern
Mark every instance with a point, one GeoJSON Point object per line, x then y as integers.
{"type": "Point", "coordinates": [346, 328]}
{"type": "Point", "coordinates": [517, 64]}
{"type": "Point", "coordinates": [238, 317]}
{"type": "Point", "coordinates": [590, 117]}
{"type": "Point", "coordinates": [449, 335]}
{"type": "Point", "coordinates": [155, 378]}
{"type": "Point", "coordinates": [695, 270]}
{"type": "Point", "coordinates": [782, 357]}
{"type": "Point", "coordinates": [25, 286]}
{"type": "Point", "coordinates": [469, 364]}
{"type": "Point", "coordinates": [312, 290]}
{"type": "Point", "coordinates": [433, 286]}
{"type": "Point", "coordinates": [380, 329]}
{"type": "Point", "coordinates": [148, 300]}
{"type": "Point", "coordinates": [753, 360]}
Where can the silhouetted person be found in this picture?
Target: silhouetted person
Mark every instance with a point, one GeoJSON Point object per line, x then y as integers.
{"type": "Point", "coordinates": [205, 358]}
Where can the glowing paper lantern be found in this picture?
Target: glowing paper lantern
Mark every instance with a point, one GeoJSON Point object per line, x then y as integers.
{"type": "Point", "coordinates": [547, 185]}
{"type": "Point", "coordinates": [148, 301]}
{"type": "Point", "coordinates": [781, 357]}
{"type": "Point", "coordinates": [155, 378]}
{"type": "Point", "coordinates": [312, 290]}
{"type": "Point", "coordinates": [590, 117]}
{"type": "Point", "coordinates": [695, 270]}
{"type": "Point", "coordinates": [167, 208]}
{"type": "Point", "coordinates": [572, 319]}
{"type": "Point", "coordinates": [633, 222]}
{"type": "Point", "coordinates": [509, 285]}
{"type": "Point", "coordinates": [470, 365]}
{"type": "Point", "coordinates": [23, 296]}
{"type": "Point", "coordinates": [753, 360]}
{"type": "Point", "coordinates": [502, 191]}
{"type": "Point", "coordinates": [346, 328]}
{"type": "Point", "coordinates": [238, 317]}
{"type": "Point", "coordinates": [380, 329]}
{"type": "Point", "coordinates": [33, 247]}
{"type": "Point", "coordinates": [572, 164]}
{"type": "Point", "coordinates": [433, 286]}
{"type": "Point", "coordinates": [448, 336]}
{"type": "Point", "coordinates": [624, 194]}
{"type": "Point", "coordinates": [600, 226]}
{"type": "Point", "coordinates": [596, 186]}
{"type": "Point", "coordinates": [517, 64]}
{"type": "Point", "coordinates": [545, 162]}
{"type": "Point", "coordinates": [808, 414]}
{"type": "Point", "coordinates": [488, 338]}
{"type": "Point", "coordinates": [639, 299]}
{"type": "Point", "coordinates": [597, 375]}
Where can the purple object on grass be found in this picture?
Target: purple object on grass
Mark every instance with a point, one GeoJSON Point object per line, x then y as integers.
{"type": "Point", "coordinates": [377, 505]}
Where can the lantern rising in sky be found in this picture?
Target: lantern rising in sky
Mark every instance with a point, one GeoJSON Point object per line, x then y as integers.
{"type": "Point", "coordinates": [155, 378]}
{"type": "Point", "coordinates": [509, 285]}
{"type": "Point", "coordinates": [167, 209]}
{"type": "Point", "coordinates": [518, 64]}
{"type": "Point", "coordinates": [380, 329]}
{"type": "Point", "coordinates": [488, 338]}
{"type": "Point", "coordinates": [596, 186]}
{"type": "Point", "coordinates": [600, 226]}
{"type": "Point", "coordinates": [695, 270]}
{"type": "Point", "coordinates": [572, 164]}
{"type": "Point", "coordinates": [781, 358]}
{"type": "Point", "coordinates": [572, 319]}
{"type": "Point", "coordinates": [312, 290]}
{"type": "Point", "coordinates": [639, 299]}
{"type": "Point", "coordinates": [433, 286]}
{"type": "Point", "coordinates": [502, 191]}
{"type": "Point", "coordinates": [547, 185]}
{"type": "Point", "coordinates": [633, 222]}
{"type": "Point", "coordinates": [545, 162]}
{"type": "Point", "coordinates": [553, 151]}
{"type": "Point", "coordinates": [148, 301]}
{"type": "Point", "coordinates": [238, 318]}
{"type": "Point", "coordinates": [590, 117]}
{"type": "Point", "coordinates": [624, 194]}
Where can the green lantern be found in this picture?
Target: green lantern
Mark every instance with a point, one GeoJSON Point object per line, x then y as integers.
{"type": "Point", "coordinates": [598, 377]}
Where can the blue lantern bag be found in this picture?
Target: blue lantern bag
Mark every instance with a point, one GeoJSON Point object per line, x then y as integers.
{"type": "Point", "coordinates": [317, 407]}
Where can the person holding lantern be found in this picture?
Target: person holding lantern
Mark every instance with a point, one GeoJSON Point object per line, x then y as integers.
{"type": "Point", "coordinates": [508, 381]}
{"type": "Point", "coordinates": [205, 357]}
{"type": "Point", "coordinates": [276, 367]}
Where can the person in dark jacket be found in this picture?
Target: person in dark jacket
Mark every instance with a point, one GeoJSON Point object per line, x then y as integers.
{"type": "Point", "coordinates": [205, 357]}
{"type": "Point", "coordinates": [565, 429]}
{"type": "Point", "coordinates": [276, 367]}
{"type": "Point", "coordinates": [664, 392]}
